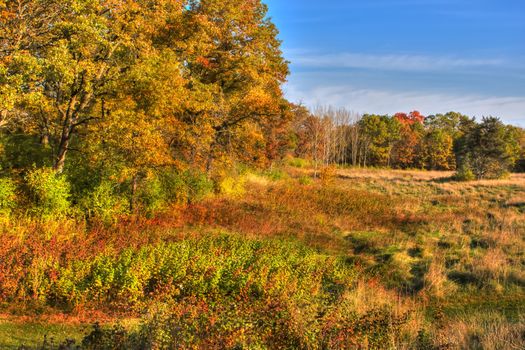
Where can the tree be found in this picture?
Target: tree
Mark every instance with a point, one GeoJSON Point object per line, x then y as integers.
{"type": "Point", "coordinates": [231, 48]}
{"type": "Point", "coordinates": [355, 138]}
{"type": "Point", "coordinates": [379, 134]}
{"type": "Point", "coordinates": [489, 150]}
{"type": "Point", "coordinates": [71, 56]}
{"type": "Point", "coordinates": [438, 150]}
{"type": "Point", "coordinates": [314, 132]}
{"type": "Point", "coordinates": [25, 26]}
{"type": "Point", "coordinates": [518, 134]}
{"type": "Point", "coordinates": [409, 145]}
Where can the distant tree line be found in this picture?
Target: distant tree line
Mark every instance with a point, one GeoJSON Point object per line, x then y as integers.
{"type": "Point", "coordinates": [451, 141]}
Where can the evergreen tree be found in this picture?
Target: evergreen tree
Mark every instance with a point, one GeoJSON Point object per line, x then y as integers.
{"type": "Point", "coordinates": [488, 150]}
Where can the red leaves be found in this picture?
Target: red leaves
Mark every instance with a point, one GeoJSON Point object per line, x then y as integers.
{"type": "Point", "coordinates": [203, 61]}
{"type": "Point", "coordinates": [410, 119]}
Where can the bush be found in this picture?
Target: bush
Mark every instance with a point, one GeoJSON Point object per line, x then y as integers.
{"type": "Point", "coordinates": [199, 185]}
{"type": "Point", "coordinates": [276, 174]}
{"type": "Point", "coordinates": [305, 180]}
{"type": "Point", "coordinates": [152, 196]}
{"type": "Point", "coordinates": [232, 186]}
{"type": "Point", "coordinates": [174, 187]}
{"type": "Point", "coordinates": [50, 193]}
{"type": "Point", "coordinates": [465, 174]}
{"type": "Point", "coordinates": [103, 203]}
{"type": "Point", "coordinates": [7, 196]}
{"type": "Point", "coordinates": [298, 163]}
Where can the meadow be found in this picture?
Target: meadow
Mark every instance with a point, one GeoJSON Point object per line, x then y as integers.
{"type": "Point", "coordinates": [158, 190]}
{"type": "Point", "coordinates": [354, 259]}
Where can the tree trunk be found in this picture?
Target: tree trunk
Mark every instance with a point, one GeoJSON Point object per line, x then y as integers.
{"type": "Point", "coordinates": [63, 147]}
{"type": "Point", "coordinates": [134, 185]}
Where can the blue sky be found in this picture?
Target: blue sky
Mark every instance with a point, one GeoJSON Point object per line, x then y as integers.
{"type": "Point", "coordinates": [387, 56]}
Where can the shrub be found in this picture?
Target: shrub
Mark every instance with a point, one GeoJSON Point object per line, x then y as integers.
{"type": "Point", "coordinates": [328, 174]}
{"type": "Point", "coordinates": [298, 162]}
{"type": "Point", "coordinates": [489, 149]}
{"type": "Point", "coordinates": [199, 185]}
{"type": "Point", "coordinates": [183, 187]}
{"type": "Point", "coordinates": [152, 196]}
{"type": "Point", "coordinates": [276, 174]}
{"type": "Point", "coordinates": [49, 191]}
{"type": "Point", "coordinates": [103, 203]}
{"type": "Point", "coordinates": [465, 174]}
{"type": "Point", "coordinates": [7, 196]}
{"type": "Point", "coordinates": [305, 180]}
{"type": "Point", "coordinates": [174, 185]}
{"type": "Point", "coordinates": [232, 186]}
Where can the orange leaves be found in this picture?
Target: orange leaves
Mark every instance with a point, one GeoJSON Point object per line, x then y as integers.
{"type": "Point", "coordinates": [4, 14]}
{"type": "Point", "coordinates": [410, 119]}
{"type": "Point", "coordinates": [203, 61]}
{"type": "Point", "coordinates": [406, 150]}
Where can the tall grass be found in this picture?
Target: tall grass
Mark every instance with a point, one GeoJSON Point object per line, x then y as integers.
{"type": "Point", "coordinates": [405, 260]}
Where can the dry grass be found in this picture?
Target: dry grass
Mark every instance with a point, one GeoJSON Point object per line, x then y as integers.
{"type": "Point", "coordinates": [488, 332]}
{"type": "Point", "coordinates": [419, 241]}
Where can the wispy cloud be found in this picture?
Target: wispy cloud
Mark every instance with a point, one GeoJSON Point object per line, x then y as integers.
{"type": "Point", "coordinates": [511, 108]}
{"type": "Point", "coordinates": [388, 61]}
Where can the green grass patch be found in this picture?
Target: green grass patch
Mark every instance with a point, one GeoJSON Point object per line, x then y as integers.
{"type": "Point", "coordinates": [13, 335]}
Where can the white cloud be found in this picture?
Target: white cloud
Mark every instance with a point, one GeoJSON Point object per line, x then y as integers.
{"type": "Point", "coordinates": [388, 61]}
{"type": "Point", "coordinates": [511, 109]}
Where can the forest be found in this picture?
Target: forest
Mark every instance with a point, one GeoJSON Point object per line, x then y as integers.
{"type": "Point", "coordinates": [137, 135]}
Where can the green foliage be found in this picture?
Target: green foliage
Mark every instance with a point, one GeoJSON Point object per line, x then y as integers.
{"type": "Point", "coordinates": [489, 150]}
{"type": "Point", "coordinates": [464, 173]}
{"type": "Point", "coordinates": [182, 187]}
{"type": "Point", "coordinates": [210, 326]}
{"type": "Point", "coordinates": [276, 174]}
{"type": "Point", "coordinates": [199, 185]}
{"type": "Point", "coordinates": [224, 288]}
{"type": "Point", "coordinates": [115, 338]}
{"type": "Point", "coordinates": [438, 150]}
{"type": "Point", "coordinates": [298, 163]}
{"type": "Point", "coordinates": [7, 196]}
{"type": "Point", "coordinates": [380, 132]}
{"type": "Point", "coordinates": [305, 180]}
{"type": "Point", "coordinates": [20, 151]}
{"type": "Point", "coordinates": [152, 195]}
{"type": "Point", "coordinates": [49, 192]}
{"type": "Point", "coordinates": [104, 203]}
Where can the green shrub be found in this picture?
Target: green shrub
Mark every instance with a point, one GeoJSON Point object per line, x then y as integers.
{"type": "Point", "coordinates": [305, 180]}
{"type": "Point", "coordinates": [276, 174]}
{"type": "Point", "coordinates": [199, 185]}
{"type": "Point", "coordinates": [175, 188]}
{"type": "Point", "coordinates": [298, 163]}
{"type": "Point", "coordinates": [50, 193]}
{"type": "Point", "coordinates": [182, 187]}
{"type": "Point", "coordinates": [104, 203]}
{"type": "Point", "coordinates": [152, 196]}
{"type": "Point", "coordinates": [465, 174]}
{"type": "Point", "coordinates": [7, 196]}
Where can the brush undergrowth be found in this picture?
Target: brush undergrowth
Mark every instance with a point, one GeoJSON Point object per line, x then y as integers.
{"type": "Point", "coordinates": [366, 260]}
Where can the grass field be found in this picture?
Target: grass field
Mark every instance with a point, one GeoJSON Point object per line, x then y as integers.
{"type": "Point", "coordinates": [370, 258]}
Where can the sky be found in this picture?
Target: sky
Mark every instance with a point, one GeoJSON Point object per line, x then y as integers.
{"type": "Point", "coordinates": [389, 56]}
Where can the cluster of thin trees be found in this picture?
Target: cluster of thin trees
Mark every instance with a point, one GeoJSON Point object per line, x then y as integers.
{"type": "Point", "coordinates": [328, 135]}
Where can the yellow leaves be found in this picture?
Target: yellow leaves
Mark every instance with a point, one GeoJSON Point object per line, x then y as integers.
{"type": "Point", "coordinates": [153, 82]}
{"type": "Point", "coordinates": [134, 139]}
